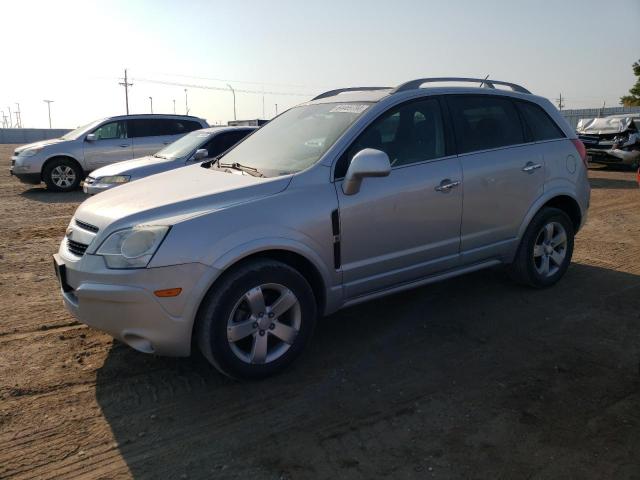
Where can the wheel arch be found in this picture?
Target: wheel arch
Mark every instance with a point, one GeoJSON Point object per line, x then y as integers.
{"type": "Point", "coordinates": [53, 158]}
{"type": "Point", "coordinates": [307, 268]}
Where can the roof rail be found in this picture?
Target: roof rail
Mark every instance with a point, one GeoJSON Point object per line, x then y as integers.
{"type": "Point", "coordinates": [331, 93]}
{"type": "Point", "coordinates": [413, 84]}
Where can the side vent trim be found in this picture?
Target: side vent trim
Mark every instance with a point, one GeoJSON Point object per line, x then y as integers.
{"type": "Point", "coordinates": [335, 226]}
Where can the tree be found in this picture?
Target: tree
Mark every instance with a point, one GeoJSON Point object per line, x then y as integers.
{"type": "Point", "coordinates": [633, 100]}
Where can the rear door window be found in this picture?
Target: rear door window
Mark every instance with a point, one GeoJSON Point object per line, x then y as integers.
{"type": "Point", "coordinates": [483, 122]}
{"type": "Point", "coordinates": [539, 124]}
{"type": "Point", "coordinates": [156, 127]}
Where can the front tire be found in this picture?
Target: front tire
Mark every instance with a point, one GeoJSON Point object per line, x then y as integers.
{"type": "Point", "coordinates": [545, 250]}
{"type": "Point", "coordinates": [256, 320]}
{"type": "Point", "coordinates": [62, 175]}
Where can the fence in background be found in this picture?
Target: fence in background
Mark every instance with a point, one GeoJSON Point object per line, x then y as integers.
{"type": "Point", "coordinates": [30, 135]}
{"type": "Point", "coordinates": [572, 116]}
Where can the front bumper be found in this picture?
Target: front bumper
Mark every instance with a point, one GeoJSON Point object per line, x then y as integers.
{"type": "Point", "coordinates": [122, 302]}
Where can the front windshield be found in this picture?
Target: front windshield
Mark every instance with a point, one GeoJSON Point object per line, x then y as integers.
{"type": "Point", "coordinates": [78, 132]}
{"type": "Point", "coordinates": [296, 139]}
{"type": "Point", "coordinates": [184, 146]}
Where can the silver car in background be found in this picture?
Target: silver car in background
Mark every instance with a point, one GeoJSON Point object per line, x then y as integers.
{"type": "Point", "coordinates": [357, 194]}
{"type": "Point", "coordinates": [195, 146]}
{"type": "Point", "coordinates": [63, 162]}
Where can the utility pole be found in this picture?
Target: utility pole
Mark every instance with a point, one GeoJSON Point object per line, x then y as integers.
{"type": "Point", "coordinates": [126, 86]}
{"type": "Point", "coordinates": [234, 101]}
{"type": "Point", "coordinates": [560, 103]}
{"type": "Point", "coordinates": [18, 116]}
{"type": "Point", "coordinates": [186, 103]}
{"type": "Point", "coordinates": [4, 119]}
{"type": "Point", "coordinates": [276, 109]}
{"type": "Point", "coordinates": [151, 102]}
{"type": "Point", "coordinates": [49, 102]}
{"type": "Point", "coordinates": [263, 102]}
{"type": "Point", "coordinates": [10, 117]}
{"type": "Point", "coordinates": [174, 106]}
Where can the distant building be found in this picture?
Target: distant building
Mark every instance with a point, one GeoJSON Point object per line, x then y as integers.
{"type": "Point", "coordinates": [247, 123]}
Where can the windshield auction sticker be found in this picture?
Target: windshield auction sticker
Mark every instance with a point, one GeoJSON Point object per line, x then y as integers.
{"type": "Point", "coordinates": [349, 108]}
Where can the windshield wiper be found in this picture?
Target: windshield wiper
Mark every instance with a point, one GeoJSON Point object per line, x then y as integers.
{"type": "Point", "coordinates": [243, 168]}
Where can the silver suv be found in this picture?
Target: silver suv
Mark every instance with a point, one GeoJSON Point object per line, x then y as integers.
{"type": "Point", "coordinates": [63, 162]}
{"type": "Point", "coordinates": [357, 194]}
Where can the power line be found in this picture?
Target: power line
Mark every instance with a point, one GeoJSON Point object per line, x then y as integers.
{"type": "Point", "coordinates": [234, 81]}
{"type": "Point", "coordinates": [222, 89]}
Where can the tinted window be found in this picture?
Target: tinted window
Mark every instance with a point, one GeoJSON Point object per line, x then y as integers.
{"type": "Point", "coordinates": [111, 130]}
{"type": "Point", "coordinates": [410, 133]}
{"type": "Point", "coordinates": [154, 127]}
{"type": "Point", "coordinates": [484, 121]}
{"type": "Point", "coordinates": [224, 141]}
{"type": "Point", "coordinates": [540, 125]}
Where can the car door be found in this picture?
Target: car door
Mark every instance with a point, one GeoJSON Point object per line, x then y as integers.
{"type": "Point", "coordinates": [112, 144]}
{"type": "Point", "coordinates": [503, 173]}
{"type": "Point", "coordinates": [148, 136]}
{"type": "Point", "coordinates": [405, 226]}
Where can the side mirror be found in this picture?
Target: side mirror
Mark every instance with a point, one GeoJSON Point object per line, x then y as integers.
{"type": "Point", "coordinates": [200, 154]}
{"type": "Point", "coordinates": [366, 163]}
{"type": "Point", "coordinates": [91, 137]}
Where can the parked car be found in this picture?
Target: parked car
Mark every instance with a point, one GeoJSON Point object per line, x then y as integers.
{"type": "Point", "coordinates": [63, 162]}
{"type": "Point", "coordinates": [193, 147]}
{"type": "Point", "coordinates": [603, 138]}
{"type": "Point", "coordinates": [357, 194]}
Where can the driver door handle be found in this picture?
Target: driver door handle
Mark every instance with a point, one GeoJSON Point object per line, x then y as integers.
{"type": "Point", "coordinates": [446, 185]}
{"type": "Point", "coordinates": [124, 145]}
{"type": "Point", "coordinates": [530, 167]}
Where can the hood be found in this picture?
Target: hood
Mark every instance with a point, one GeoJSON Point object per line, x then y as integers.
{"type": "Point", "coordinates": [42, 143]}
{"type": "Point", "coordinates": [172, 196]}
{"type": "Point", "coordinates": [600, 126]}
{"type": "Point", "coordinates": [138, 167]}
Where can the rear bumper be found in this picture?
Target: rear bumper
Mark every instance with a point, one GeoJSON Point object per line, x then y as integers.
{"type": "Point", "coordinates": [122, 302]}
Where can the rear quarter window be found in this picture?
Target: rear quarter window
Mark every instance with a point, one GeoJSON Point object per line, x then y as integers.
{"type": "Point", "coordinates": [538, 122]}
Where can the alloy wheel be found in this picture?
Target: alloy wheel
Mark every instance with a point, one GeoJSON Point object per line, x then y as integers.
{"type": "Point", "coordinates": [264, 323]}
{"type": "Point", "coordinates": [550, 249]}
{"type": "Point", "coordinates": [63, 176]}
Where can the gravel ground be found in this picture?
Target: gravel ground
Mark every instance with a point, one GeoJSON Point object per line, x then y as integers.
{"type": "Point", "coordinates": [470, 378]}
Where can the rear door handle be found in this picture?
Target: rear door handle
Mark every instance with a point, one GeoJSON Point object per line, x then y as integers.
{"type": "Point", "coordinates": [124, 145]}
{"type": "Point", "coordinates": [446, 185]}
{"type": "Point", "coordinates": [530, 167]}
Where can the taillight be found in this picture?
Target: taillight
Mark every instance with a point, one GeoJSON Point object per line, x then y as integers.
{"type": "Point", "coordinates": [582, 151]}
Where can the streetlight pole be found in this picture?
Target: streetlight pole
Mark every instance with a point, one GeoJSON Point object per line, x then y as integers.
{"type": "Point", "coordinates": [186, 103]}
{"type": "Point", "coordinates": [49, 102]}
{"type": "Point", "coordinates": [234, 101]}
{"type": "Point", "coordinates": [151, 102]}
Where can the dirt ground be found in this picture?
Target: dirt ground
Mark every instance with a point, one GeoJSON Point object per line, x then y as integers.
{"type": "Point", "coordinates": [471, 378]}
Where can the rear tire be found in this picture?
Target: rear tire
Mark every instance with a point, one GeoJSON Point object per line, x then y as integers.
{"type": "Point", "coordinates": [62, 175]}
{"type": "Point", "coordinates": [256, 320]}
{"type": "Point", "coordinates": [545, 250]}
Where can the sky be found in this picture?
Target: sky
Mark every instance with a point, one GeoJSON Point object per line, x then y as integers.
{"type": "Point", "coordinates": [75, 52]}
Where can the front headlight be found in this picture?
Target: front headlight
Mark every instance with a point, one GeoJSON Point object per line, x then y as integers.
{"type": "Point", "coordinates": [132, 247]}
{"type": "Point", "coordinates": [30, 152]}
{"type": "Point", "coordinates": [113, 179]}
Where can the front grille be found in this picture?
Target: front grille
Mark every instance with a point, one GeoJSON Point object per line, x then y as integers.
{"type": "Point", "coordinates": [87, 226]}
{"type": "Point", "coordinates": [76, 248]}
{"type": "Point", "coordinates": [13, 162]}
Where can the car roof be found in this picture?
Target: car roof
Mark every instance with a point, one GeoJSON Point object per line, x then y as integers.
{"type": "Point", "coordinates": [426, 85]}
{"type": "Point", "coordinates": [154, 115]}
